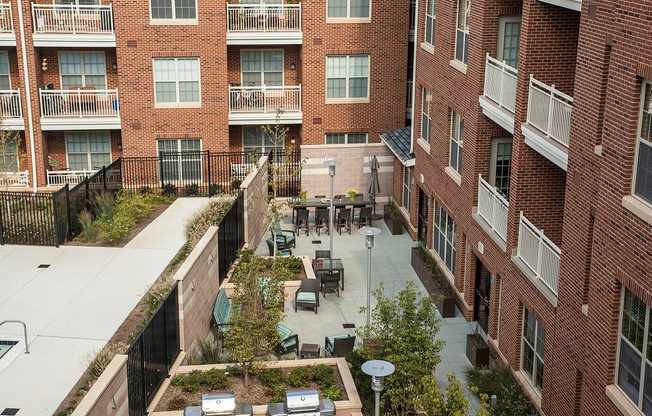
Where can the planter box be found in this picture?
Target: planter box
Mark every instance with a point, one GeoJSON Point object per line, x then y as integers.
{"type": "Point", "coordinates": [446, 305]}
{"type": "Point", "coordinates": [394, 223]}
{"type": "Point", "coordinates": [477, 354]}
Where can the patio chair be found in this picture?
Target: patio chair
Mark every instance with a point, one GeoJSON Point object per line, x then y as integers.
{"type": "Point", "coordinates": [330, 281]}
{"type": "Point", "coordinates": [320, 196]}
{"type": "Point", "coordinates": [365, 218]}
{"type": "Point", "coordinates": [307, 295]}
{"type": "Point", "coordinates": [288, 342]}
{"type": "Point", "coordinates": [322, 254]}
{"type": "Point", "coordinates": [301, 221]}
{"type": "Point", "coordinates": [339, 345]}
{"type": "Point", "coordinates": [222, 311]}
{"type": "Point", "coordinates": [356, 210]}
{"type": "Point", "coordinates": [322, 220]}
{"type": "Point", "coordinates": [279, 246]}
{"type": "Point", "coordinates": [283, 241]}
{"type": "Point", "coordinates": [343, 220]}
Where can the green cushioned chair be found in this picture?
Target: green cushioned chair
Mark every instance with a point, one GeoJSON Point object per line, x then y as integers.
{"type": "Point", "coordinates": [222, 311]}
{"type": "Point", "coordinates": [289, 342]}
{"type": "Point", "coordinates": [283, 241]}
{"type": "Point", "coordinates": [307, 295]}
{"type": "Point", "coordinates": [339, 345]}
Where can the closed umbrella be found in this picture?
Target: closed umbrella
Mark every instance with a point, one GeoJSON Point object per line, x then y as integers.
{"type": "Point", "coordinates": [374, 186]}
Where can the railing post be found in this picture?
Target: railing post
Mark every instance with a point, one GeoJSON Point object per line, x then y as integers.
{"type": "Point", "coordinates": [72, 17]}
{"type": "Point", "coordinates": [110, 17]}
{"type": "Point", "coordinates": [550, 104]}
{"type": "Point", "coordinates": [502, 78]}
{"type": "Point", "coordinates": [519, 244]}
{"type": "Point", "coordinates": [264, 89]}
{"type": "Point", "coordinates": [538, 271]}
{"type": "Point", "coordinates": [208, 163]}
{"type": "Point", "coordinates": [69, 223]}
{"type": "Point", "coordinates": [529, 100]}
{"type": "Point", "coordinates": [265, 17]}
{"type": "Point", "coordinates": [104, 176]}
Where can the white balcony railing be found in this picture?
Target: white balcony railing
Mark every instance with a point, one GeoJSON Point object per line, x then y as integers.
{"type": "Point", "coordinates": [6, 18]}
{"type": "Point", "coordinates": [71, 177]}
{"type": "Point", "coordinates": [500, 83]}
{"type": "Point", "coordinates": [10, 105]}
{"type": "Point", "coordinates": [549, 110]}
{"type": "Point", "coordinates": [14, 178]}
{"type": "Point", "coordinates": [409, 95]}
{"type": "Point", "coordinates": [540, 254]}
{"type": "Point", "coordinates": [263, 17]}
{"type": "Point", "coordinates": [72, 19]}
{"type": "Point", "coordinates": [493, 208]}
{"type": "Point", "coordinates": [264, 99]}
{"type": "Point", "coordinates": [79, 103]}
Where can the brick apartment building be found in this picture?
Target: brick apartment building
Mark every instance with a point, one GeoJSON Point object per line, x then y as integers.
{"type": "Point", "coordinates": [529, 178]}
{"type": "Point", "coordinates": [90, 82]}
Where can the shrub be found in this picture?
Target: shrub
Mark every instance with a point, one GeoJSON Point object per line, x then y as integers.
{"type": "Point", "coordinates": [88, 231]}
{"type": "Point", "coordinates": [300, 377]}
{"type": "Point", "coordinates": [333, 393]}
{"type": "Point", "coordinates": [323, 374]}
{"type": "Point", "coordinates": [169, 190]}
{"type": "Point", "coordinates": [201, 220]}
{"type": "Point", "coordinates": [279, 394]}
{"type": "Point", "coordinates": [210, 352]}
{"type": "Point", "coordinates": [129, 209]}
{"type": "Point", "coordinates": [98, 360]}
{"type": "Point", "coordinates": [178, 403]}
{"type": "Point", "coordinates": [155, 295]}
{"type": "Point", "coordinates": [178, 381]}
{"type": "Point", "coordinates": [235, 185]}
{"type": "Point", "coordinates": [104, 204]}
{"type": "Point", "coordinates": [191, 189]}
{"type": "Point", "coordinates": [215, 189]}
{"type": "Point", "coordinates": [215, 379]}
{"type": "Point", "coordinates": [511, 399]}
{"type": "Point", "coordinates": [272, 377]}
{"type": "Point", "coordinates": [144, 190]}
{"type": "Point", "coordinates": [234, 371]}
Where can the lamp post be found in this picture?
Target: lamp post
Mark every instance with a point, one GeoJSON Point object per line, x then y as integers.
{"type": "Point", "coordinates": [378, 370]}
{"type": "Point", "coordinates": [331, 171]}
{"type": "Point", "coordinates": [369, 233]}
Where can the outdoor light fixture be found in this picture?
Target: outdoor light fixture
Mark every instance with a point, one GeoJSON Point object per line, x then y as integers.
{"type": "Point", "coordinates": [378, 370]}
{"type": "Point", "coordinates": [293, 140]}
{"type": "Point", "coordinates": [119, 146]}
{"type": "Point", "coordinates": [369, 233]}
{"type": "Point", "coordinates": [293, 66]}
{"type": "Point", "coordinates": [115, 66]}
{"type": "Point", "coordinates": [331, 171]}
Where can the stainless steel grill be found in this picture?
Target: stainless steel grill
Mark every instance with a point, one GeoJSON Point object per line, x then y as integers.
{"type": "Point", "coordinates": [303, 402]}
{"type": "Point", "coordinates": [219, 404]}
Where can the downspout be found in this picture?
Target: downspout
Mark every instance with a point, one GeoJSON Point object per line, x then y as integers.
{"type": "Point", "coordinates": [29, 93]}
{"type": "Point", "coordinates": [414, 71]}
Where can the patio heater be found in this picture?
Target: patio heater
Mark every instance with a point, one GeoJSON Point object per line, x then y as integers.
{"type": "Point", "coordinates": [369, 233]}
{"type": "Point", "coordinates": [378, 370]}
{"type": "Point", "coordinates": [331, 171]}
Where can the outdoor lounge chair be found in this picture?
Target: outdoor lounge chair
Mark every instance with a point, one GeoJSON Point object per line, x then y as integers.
{"type": "Point", "coordinates": [282, 240]}
{"type": "Point", "coordinates": [307, 295]}
{"type": "Point", "coordinates": [289, 342]}
{"type": "Point", "coordinates": [339, 345]}
{"type": "Point", "coordinates": [279, 247]}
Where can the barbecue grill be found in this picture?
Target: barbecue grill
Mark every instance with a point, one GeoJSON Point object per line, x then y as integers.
{"type": "Point", "coordinates": [220, 404]}
{"type": "Point", "coordinates": [303, 402]}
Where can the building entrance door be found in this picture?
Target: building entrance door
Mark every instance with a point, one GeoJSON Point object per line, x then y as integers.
{"type": "Point", "coordinates": [422, 229]}
{"type": "Point", "coordinates": [482, 299]}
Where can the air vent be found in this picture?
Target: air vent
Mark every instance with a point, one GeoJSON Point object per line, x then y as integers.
{"type": "Point", "coordinates": [10, 411]}
{"type": "Point", "coordinates": [347, 326]}
{"type": "Point", "coordinates": [316, 241]}
{"type": "Point", "coordinates": [43, 266]}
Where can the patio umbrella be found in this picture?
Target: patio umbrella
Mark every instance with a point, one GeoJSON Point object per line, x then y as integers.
{"type": "Point", "coordinates": [374, 186]}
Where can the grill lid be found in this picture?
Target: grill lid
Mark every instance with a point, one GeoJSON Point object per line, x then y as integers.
{"type": "Point", "coordinates": [304, 400]}
{"type": "Point", "coordinates": [218, 404]}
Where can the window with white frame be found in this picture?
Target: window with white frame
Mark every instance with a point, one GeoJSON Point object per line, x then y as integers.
{"type": "Point", "coordinates": [173, 9]}
{"type": "Point", "coordinates": [457, 136]}
{"type": "Point", "coordinates": [643, 169]}
{"type": "Point", "coordinates": [426, 99]}
{"type": "Point", "coordinates": [346, 138]}
{"type": "Point", "coordinates": [348, 9]}
{"type": "Point", "coordinates": [88, 150]}
{"type": "Point", "coordinates": [255, 140]}
{"type": "Point", "coordinates": [462, 32]}
{"type": "Point", "coordinates": [180, 159]}
{"type": "Point", "coordinates": [347, 76]}
{"type": "Point", "coordinates": [500, 164]}
{"type": "Point", "coordinates": [82, 69]}
{"type": "Point", "coordinates": [534, 342]}
{"type": "Point", "coordinates": [9, 156]}
{"type": "Point", "coordinates": [5, 79]}
{"type": "Point", "coordinates": [262, 68]}
{"type": "Point", "coordinates": [509, 40]}
{"type": "Point", "coordinates": [176, 80]}
{"type": "Point", "coordinates": [445, 237]}
{"type": "Point", "coordinates": [634, 366]}
{"type": "Point", "coordinates": [431, 10]}
{"type": "Point", "coordinates": [407, 193]}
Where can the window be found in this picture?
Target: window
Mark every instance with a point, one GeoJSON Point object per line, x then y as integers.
{"type": "Point", "coordinates": [407, 193]}
{"type": "Point", "coordinates": [82, 70]}
{"type": "Point", "coordinates": [500, 164]}
{"type": "Point", "coordinates": [173, 9]}
{"type": "Point", "coordinates": [9, 157]}
{"type": "Point", "coordinates": [254, 140]}
{"type": "Point", "coordinates": [5, 79]}
{"type": "Point", "coordinates": [348, 9]}
{"type": "Point", "coordinates": [426, 99]}
{"type": "Point", "coordinates": [346, 138]}
{"type": "Point", "coordinates": [462, 33]}
{"type": "Point", "coordinates": [180, 159]}
{"type": "Point", "coordinates": [534, 341]}
{"type": "Point", "coordinates": [431, 8]}
{"type": "Point", "coordinates": [176, 80]}
{"type": "Point", "coordinates": [634, 371]}
{"type": "Point", "coordinates": [643, 170]}
{"type": "Point", "coordinates": [88, 150]}
{"type": "Point", "coordinates": [509, 39]}
{"type": "Point", "coordinates": [262, 68]}
{"type": "Point", "coordinates": [445, 236]}
{"type": "Point", "coordinates": [347, 76]}
{"type": "Point", "coordinates": [457, 135]}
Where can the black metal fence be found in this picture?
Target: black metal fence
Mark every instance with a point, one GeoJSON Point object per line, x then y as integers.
{"type": "Point", "coordinates": [230, 236]}
{"type": "Point", "coordinates": [152, 354]}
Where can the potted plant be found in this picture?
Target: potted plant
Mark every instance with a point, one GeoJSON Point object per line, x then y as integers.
{"type": "Point", "coordinates": [433, 280]}
{"type": "Point", "coordinates": [477, 350]}
{"type": "Point", "coordinates": [392, 218]}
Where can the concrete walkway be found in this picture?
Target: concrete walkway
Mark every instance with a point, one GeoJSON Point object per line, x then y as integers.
{"type": "Point", "coordinates": [74, 306]}
{"type": "Point", "coordinates": [390, 258]}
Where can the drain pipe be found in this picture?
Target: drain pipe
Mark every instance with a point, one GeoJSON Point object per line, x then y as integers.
{"type": "Point", "coordinates": [414, 71]}
{"type": "Point", "coordinates": [24, 330]}
{"type": "Point", "coordinates": [29, 94]}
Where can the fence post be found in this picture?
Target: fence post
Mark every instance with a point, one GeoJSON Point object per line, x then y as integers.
{"type": "Point", "coordinates": [208, 156]}
{"type": "Point", "coordinates": [55, 218]}
{"type": "Point", "coordinates": [87, 204]}
{"type": "Point", "coordinates": [104, 176]}
{"type": "Point", "coordinates": [68, 221]}
{"type": "Point", "coordinates": [2, 233]}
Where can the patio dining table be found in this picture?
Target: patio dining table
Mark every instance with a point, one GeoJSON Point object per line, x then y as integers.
{"type": "Point", "coordinates": [343, 202]}
{"type": "Point", "coordinates": [329, 265]}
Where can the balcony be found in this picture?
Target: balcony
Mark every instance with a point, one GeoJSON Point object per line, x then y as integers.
{"type": "Point", "coordinates": [11, 110]}
{"type": "Point", "coordinates": [71, 177]}
{"type": "Point", "coordinates": [538, 258]}
{"type": "Point", "coordinates": [17, 179]}
{"type": "Point", "coordinates": [499, 99]}
{"type": "Point", "coordinates": [258, 105]}
{"type": "Point", "coordinates": [7, 34]}
{"type": "Point", "coordinates": [492, 212]}
{"type": "Point", "coordinates": [575, 5]}
{"type": "Point", "coordinates": [548, 122]}
{"type": "Point", "coordinates": [73, 26]}
{"type": "Point", "coordinates": [264, 24]}
{"type": "Point", "coordinates": [408, 109]}
{"type": "Point", "coordinates": [79, 109]}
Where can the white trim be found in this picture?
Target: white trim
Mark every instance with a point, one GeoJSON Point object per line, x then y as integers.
{"type": "Point", "coordinates": [176, 80]}
{"type": "Point", "coordinates": [72, 40]}
{"type": "Point", "coordinates": [427, 47]}
{"type": "Point", "coordinates": [174, 12]}
{"type": "Point", "coordinates": [346, 138]}
{"type": "Point", "coordinates": [497, 114]}
{"type": "Point", "coordinates": [247, 119]}
{"type": "Point", "coordinates": [500, 43]}
{"type": "Point", "coordinates": [534, 351]}
{"type": "Point", "coordinates": [493, 155]}
{"type": "Point", "coordinates": [545, 147]}
{"type": "Point", "coordinates": [262, 66]}
{"type": "Point", "coordinates": [80, 123]}
{"type": "Point", "coordinates": [82, 74]}
{"type": "Point", "coordinates": [8, 39]}
{"type": "Point", "coordinates": [347, 76]}
{"type": "Point", "coordinates": [456, 177]}
{"type": "Point", "coordinates": [575, 5]}
{"type": "Point", "coordinates": [407, 186]}
{"type": "Point", "coordinates": [267, 38]}
{"type": "Point", "coordinates": [424, 145]}
{"type": "Point", "coordinates": [425, 93]}
{"type": "Point", "coordinates": [434, 20]}
{"type": "Point", "coordinates": [173, 22]}
{"type": "Point", "coordinates": [638, 208]}
{"type": "Point", "coordinates": [457, 123]}
{"type": "Point", "coordinates": [348, 18]}
{"type": "Point", "coordinates": [8, 74]}
{"type": "Point", "coordinates": [639, 141]}
{"type": "Point", "coordinates": [30, 116]}
{"type": "Point", "coordinates": [88, 149]}
{"type": "Point", "coordinates": [262, 140]}
{"type": "Point", "coordinates": [465, 29]}
{"type": "Point", "coordinates": [460, 66]}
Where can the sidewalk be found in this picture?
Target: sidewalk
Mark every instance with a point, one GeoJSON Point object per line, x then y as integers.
{"type": "Point", "coordinates": [74, 306]}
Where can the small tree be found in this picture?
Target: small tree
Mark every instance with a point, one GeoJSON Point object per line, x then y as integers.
{"type": "Point", "coordinates": [10, 154]}
{"type": "Point", "coordinates": [255, 315]}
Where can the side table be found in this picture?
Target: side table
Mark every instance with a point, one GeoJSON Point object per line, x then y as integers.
{"type": "Point", "coordinates": [309, 350]}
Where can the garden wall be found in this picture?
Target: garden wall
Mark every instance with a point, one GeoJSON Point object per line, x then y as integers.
{"type": "Point", "coordinates": [354, 172]}
{"type": "Point", "coordinates": [112, 384]}
{"type": "Point", "coordinates": [255, 191]}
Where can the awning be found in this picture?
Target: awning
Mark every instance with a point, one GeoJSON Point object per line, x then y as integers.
{"type": "Point", "coordinates": [398, 142]}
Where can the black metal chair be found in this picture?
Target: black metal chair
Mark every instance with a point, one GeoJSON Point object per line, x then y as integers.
{"type": "Point", "coordinates": [302, 221]}
{"type": "Point", "coordinates": [307, 295]}
{"type": "Point", "coordinates": [320, 196]}
{"type": "Point", "coordinates": [322, 254]}
{"type": "Point", "coordinates": [357, 198]}
{"type": "Point", "coordinates": [339, 345]}
{"type": "Point", "coordinates": [331, 281]}
{"type": "Point", "coordinates": [343, 220]}
{"type": "Point", "coordinates": [365, 217]}
{"type": "Point", "coordinates": [322, 220]}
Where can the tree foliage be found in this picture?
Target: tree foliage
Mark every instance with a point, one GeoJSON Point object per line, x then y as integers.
{"type": "Point", "coordinates": [10, 154]}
